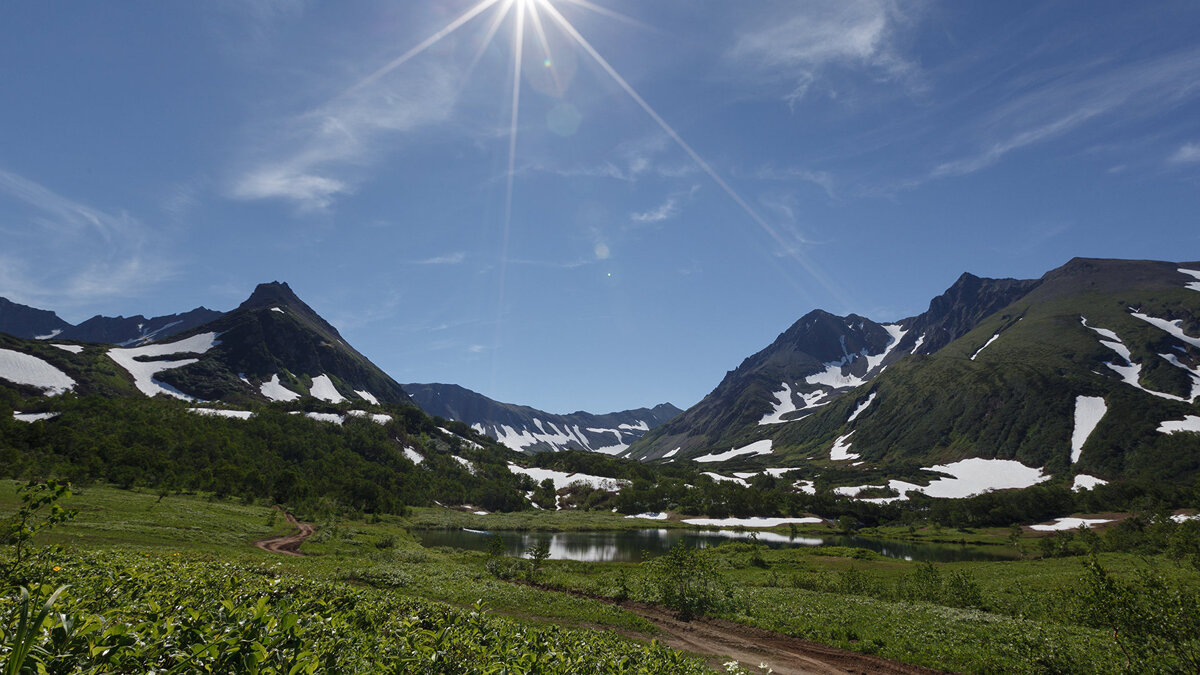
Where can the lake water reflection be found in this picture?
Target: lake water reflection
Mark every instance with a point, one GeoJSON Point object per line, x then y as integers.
{"type": "Point", "coordinates": [637, 545]}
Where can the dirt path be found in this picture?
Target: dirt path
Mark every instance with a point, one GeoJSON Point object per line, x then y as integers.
{"type": "Point", "coordinates": [753, 646]}
{"type": "Point", "coordinates": [289, 545]}
{"type": "Point", "coordinates": [724, 640]}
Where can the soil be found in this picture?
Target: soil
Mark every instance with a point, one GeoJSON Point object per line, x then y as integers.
{"type": "Point", "coordinates": [725, 640]}
{"type": "Point", "coordinates": [289, 545]}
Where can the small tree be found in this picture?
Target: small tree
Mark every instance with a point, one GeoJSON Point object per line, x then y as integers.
{"type": "Point", "coordinates": [685, 581]}
{"type": "Point", "coordinates": [39, 511]}
{"type": "Point", "coordinates": [537, 555]}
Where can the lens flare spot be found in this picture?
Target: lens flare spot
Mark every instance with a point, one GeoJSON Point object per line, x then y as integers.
{"type": "Point", "coordinates": [546, 63]}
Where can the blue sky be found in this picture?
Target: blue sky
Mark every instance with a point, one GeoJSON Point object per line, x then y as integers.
{"type": "Point", "coordinates": [855, 156]}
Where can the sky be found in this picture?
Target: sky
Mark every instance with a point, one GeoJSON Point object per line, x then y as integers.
{"type": "Point", "coordinates": [584, 204]}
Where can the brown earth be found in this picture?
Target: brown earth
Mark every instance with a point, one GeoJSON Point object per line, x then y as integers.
{"type": "Point", "coordinates": [725, 641]}
{"type": "Point", "coordinates": [289, 545]}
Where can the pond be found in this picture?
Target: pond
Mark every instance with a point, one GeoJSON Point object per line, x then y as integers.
{"type": "Point", "coordinates": [636, 545]}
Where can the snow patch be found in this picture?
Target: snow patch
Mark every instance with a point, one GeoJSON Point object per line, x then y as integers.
{"type": "Point", "coordinates": [414, 456]}
{"type": "Point", "coordinates": [1085, 482]}
{"type": "Point", "coordinates": [1089, 410]}
{"type": "Point", "coordinates": [640, 426]}
{"type": "Point", "coordinates": [649, 516]}
{"type": "Point", "coordinates": [143, 371]}
{"type": "Point", "coordinates": [1174, 328]}
{"type": "Point", "coordinates": [367, 396]}
{"type": "Point", "coordinates": [762, 447]}
{"type": "Point", "coordinates": [562, 479]}
{"type": "Point", "coordinates": [783, 405]}
{"type": "Point", "coordinates": [276, 309]}
{"type": "Point", "coordinates": [48, 336]}
{"type": "Point", "coordinates": [325, 417]}
{"type": "Point", "coordinates": [841, 449]}
{"type": "Point", "coordinates": [672, 453]}
{"type": "Point", "coordinates": [322, 388]}
{"type": "Point", "coordinates": [74, 349]}
{"type": "Point", "coordinates": [920, 341]}
{"type": "Point", "coordinates": [467, 464]}
{"type": "Point", "coordinates": [275, 391]}
{"type": "Point", "coordinates": [1194, 285]}
{"type": "Point", "coordinates": [806, 486]}
{"type": "Point", "coordinates": [1069, 524]}
{"type": "Point", "coordinates": [725, 479]}
{"type": "Point", "coordinates": [752, 522]}
{"type": "Point", "coordinates": [1188, 423]}
{"type": "Point", "coordinates": [832, 376]}
{"type": "Point", "coordinates": [976, 476]}
{"type": "Point", "coordinates": [34, 417]}
{"type": "Point", "coordinates": [985, 346]}
{"type": "Point", "coordinates": [861, 407]}
{"type": "Point", "coordinates": [21, 368]}
{"type": "Point", "coordinates": [379, 419]}
{"type": "Point", "coordinates": [470, 443]}
{"type": "Point", "coordinates": [1130, 374]}
{"type": "Point", "coordinates": [221, 412]}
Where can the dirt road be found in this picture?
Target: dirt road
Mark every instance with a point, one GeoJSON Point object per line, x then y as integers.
{"type": "Point", "coordinates": [754, 646]}
{"type": "Point", "coordinates": [725, 640]}
{"type": "Point", "coordinates": [289, 545]}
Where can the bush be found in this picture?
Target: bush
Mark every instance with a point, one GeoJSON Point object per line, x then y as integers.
{"type": "Point", "coordinates": [686, 581]}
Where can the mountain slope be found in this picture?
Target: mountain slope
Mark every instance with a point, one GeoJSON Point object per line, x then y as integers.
{"type": "Point", "coordinates": [1095, 372]}
{"type": "Point", "coordinates": [28, 322]}
{"type": "Point", "coordinates": [527, 429]}
{"type": "Point", "coordinates": [274, 346]}
{"type": "Point", "coordinates": [816, 360]}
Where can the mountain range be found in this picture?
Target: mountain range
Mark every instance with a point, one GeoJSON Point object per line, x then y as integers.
{"type": "Point", "coordinates": [527, 429]}
{"type": "Point", "coordinates": [1092, 370]}
{"type": "Point", "coordinates": [1090, 373]}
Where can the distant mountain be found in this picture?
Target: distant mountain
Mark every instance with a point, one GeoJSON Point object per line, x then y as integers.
{"type": "Point", "coordinates": [527, 429]}
{"type": "Point", "coordinates": [815, 361]}
{"type": "Point", "coordinates": [138, 329]}
{"type": "Point", "coordinates": [30, 323]}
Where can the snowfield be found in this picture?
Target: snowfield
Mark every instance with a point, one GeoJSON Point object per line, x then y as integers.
{"type": "Point", "coordinates": [649, 516]}
{"type": "Point", "coordinates": [322, 388]}
{"type": "Point", "coordinates": [841, 449]}
{"type": "Point", "coordinates": [74, 349]}
{"type": "Point", "coordinates": [470, 443]}
{"type": "Point", "coordinates": [21, 368]}
{"type": "Point", "coordinates": [1188, 423]}
{"type": "Point", "coordinates": [762, 447]}
{"type": "Point", "coordinates": [143, 371]}
{"type": "Point", "coordinates": [1130, 374]}
{"type": "Point", "coordinates": [1068, 524]}
{"type": "Point", "coordinates": [413, 456]}
{"type": "Point", "coordinates": [752, 522]}
{"type": "Point", "coordinates": [275, 391]}
{"type": "Point", "coordinates": [1085, 482]}
{"type": "Point", "coordinates": [862, 407]}
{"type": "Point", "coordinates": [367, 396]}
{"type": "Point", "coordinates": [34, 417]}
{"type": "Point", "coordinates": [783, 405]}
{"type": "Point", "coordinates": [1089, 410]}
{"type": "Point", "coordinates": [221, 412]}
{"type": "Point", "coordinates": [1194, 285]}
{"type": "Point", "coordinates": [725, 479]}
{"type": "Point", "coordinates": [562, 479]}
{"type": "Point", "coordinates": [975, 476]}
{"type": "Point", "coordinates": [377, 419]}
{"type": "Point", "coordinates": [832, 375]}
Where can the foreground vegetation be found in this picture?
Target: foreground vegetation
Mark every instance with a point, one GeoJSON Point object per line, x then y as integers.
{"type": "Point", "coordinates": [173, 585]}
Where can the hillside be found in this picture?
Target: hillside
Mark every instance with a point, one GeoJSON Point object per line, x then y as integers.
{"type": "Point", "coordinates": [1094, 372]}
{"type": "Point", "coordinates": [527, 429]}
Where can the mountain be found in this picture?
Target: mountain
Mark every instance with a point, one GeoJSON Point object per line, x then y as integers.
{"type": "Point", "coordinates": [27, 322]}
{"type": "Point", "coordinates": [137, 329]}
{"type": "Point", "coordinates": [813, 362]}
{"type": "Point", "coordinates": [527, 429]}
{"type": "Point", "coordinates": [273, 347]}
{"type": "Point", "coordinates": [30, 323]}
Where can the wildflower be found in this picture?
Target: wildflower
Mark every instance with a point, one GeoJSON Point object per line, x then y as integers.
{"type": "Point", "coordinates": [56, 568]}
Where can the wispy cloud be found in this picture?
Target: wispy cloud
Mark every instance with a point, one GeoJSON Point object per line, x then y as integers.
{"type": "Point", "coordinates": [822, 179]}
{"type": "Point", "coordinates": [1046, 109]}
{"type": "Point", "coordinates": [320, 155]}
{"type": "Point", "coordinates": [1188, 153]}
{"type": "Point", "coordinates": [665, 211]}
{"type": "Point", "coordinates": [62, 251]}
{"type": "Point", "coordinates": [800, 44]}
{"type": "Point", "coordinates": [449, 259]}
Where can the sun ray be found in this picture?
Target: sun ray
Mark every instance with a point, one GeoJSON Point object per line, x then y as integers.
{"type": "Point", "coordinates": [491, 33]}
{"type": "Point", "coordinates": [786, 247]}
{"type": "Point", "coordinates": [518, 54]}
{"type": "Point", "coordinates": [611, 14]}
{"type": "Point", "coordinates": [536, 20]}
{"type": "Point", "coordinates": [428, 42]}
